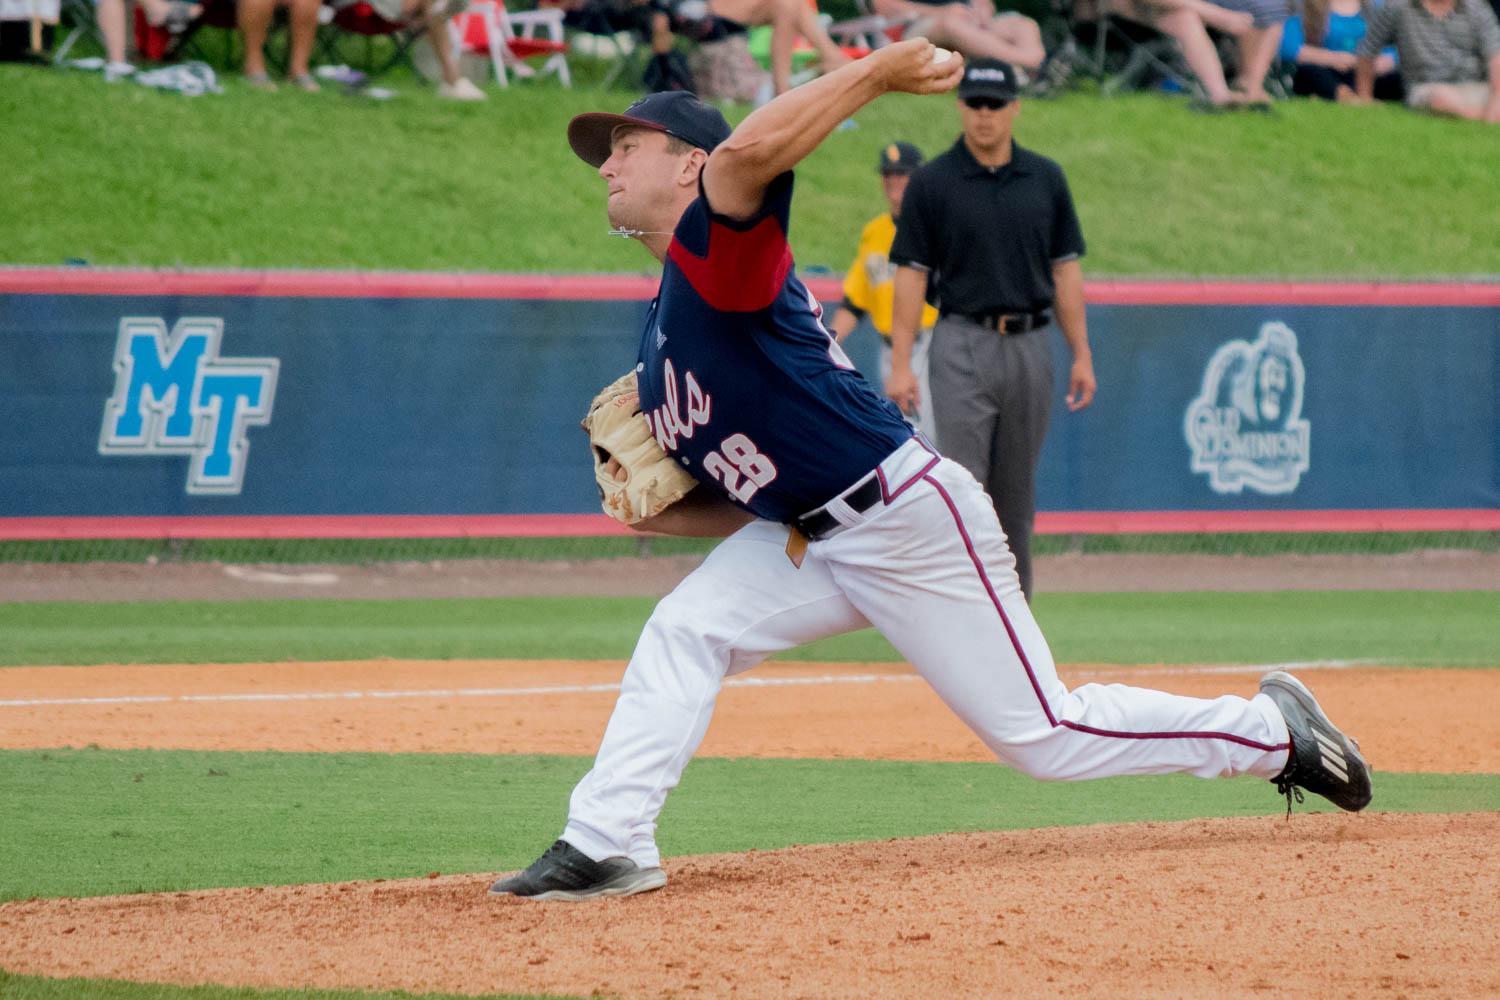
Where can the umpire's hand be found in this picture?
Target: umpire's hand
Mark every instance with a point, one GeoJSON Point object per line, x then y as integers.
{"type": "Point", "coordinates": [901, 388]}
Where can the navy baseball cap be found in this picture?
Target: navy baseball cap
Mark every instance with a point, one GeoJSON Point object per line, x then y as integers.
{"type": "Point", "coordinates": [675, 112]}
{"type": "Point", "coordinates": [900, 158]}
{"type": "Point", "coordinates": [988, 78]}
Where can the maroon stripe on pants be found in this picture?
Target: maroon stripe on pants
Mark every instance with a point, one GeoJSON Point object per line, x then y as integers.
{"type": "Point", "coordinates": [1031, 674]}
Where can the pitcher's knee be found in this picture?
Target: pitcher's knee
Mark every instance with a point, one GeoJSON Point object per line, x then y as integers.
{"type": "Point", "coordinates": [675, 622]}
{"type": "Point", "coordinates": [1035, 759]}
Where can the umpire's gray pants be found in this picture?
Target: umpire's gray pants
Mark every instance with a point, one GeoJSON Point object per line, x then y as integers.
{"type": "Point", "coordinates": [991, 398]}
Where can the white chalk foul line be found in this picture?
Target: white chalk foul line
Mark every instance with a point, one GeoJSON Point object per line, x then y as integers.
{"type": "Point", "coordinates": [526, 692]}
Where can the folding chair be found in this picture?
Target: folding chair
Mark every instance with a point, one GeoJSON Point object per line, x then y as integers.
{"type": "Point", "coordinates": [360, 19]}
{"type": "Point", "coordinates": [486, 26]}
{"type": "Point", "coordinates": [82, 27]}
{"type": "Point", "coordinates": [1119, 52]}
{"type": "Point", "coordinates": [221, 15]}
{"type": "Point", "coordinates": [613, 26]}
{"type": "Point", "coordinates": [868, 31]}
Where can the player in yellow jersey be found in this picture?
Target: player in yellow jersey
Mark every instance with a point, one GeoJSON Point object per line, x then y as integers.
{"type": "Point", "coordinates": [868, 288]}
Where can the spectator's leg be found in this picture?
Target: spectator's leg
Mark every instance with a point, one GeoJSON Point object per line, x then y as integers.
{"type": "Point", "coordinates": [1443, 99]}
{"type": "Point", "coordinates": [110, 16]}
{"type": "Point", "coordinates": [788, 19]}
{"type": "Point", "coordinates": [1231, 22]}
{"type": "Point", "coordinates": [1022, 36]}
{"type": "Point", "coordinates": [661, 33]}
{"type": "Point", "coordinates": [1186, 27]}
{"type": "Point", "coordinates": [1257, 51]}
{"type": "Point", "coordinates": [955, 26]}
{"type": "Point", "coordinates": [304, 30]}
{"type": "Point", "coordinates": [254, 18]}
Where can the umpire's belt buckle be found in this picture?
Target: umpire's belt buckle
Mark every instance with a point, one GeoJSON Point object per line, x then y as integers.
{"type": "Point", "coordinates": [1007, 324]}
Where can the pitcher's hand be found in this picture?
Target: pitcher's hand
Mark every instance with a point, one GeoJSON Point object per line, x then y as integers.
{"type": "Point", "coordinates": [908, 67]}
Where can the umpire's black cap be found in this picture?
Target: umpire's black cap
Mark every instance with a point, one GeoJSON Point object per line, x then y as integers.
{"type": "Point", "coordinates": [900, 158]}
{"type": "Point", "coordinates": [989, 78]}
{"type": "Point", "coordinates": [675, 112]}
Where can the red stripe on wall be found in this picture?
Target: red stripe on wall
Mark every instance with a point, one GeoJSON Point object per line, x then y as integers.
{"type": "Point", "coordinates": [597, 525]}
{"type": "Point", "coordinates": [595, 287]}
{"type": "Point", "coordinates": [1152, 522]}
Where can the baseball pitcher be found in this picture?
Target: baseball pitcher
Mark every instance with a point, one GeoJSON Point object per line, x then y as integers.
{"type": "Point", "coordinates": [838, 516]}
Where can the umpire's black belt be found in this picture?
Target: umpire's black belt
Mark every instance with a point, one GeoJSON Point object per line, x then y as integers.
{"type": "Point", "coordinates": [819, 524]}
{"type": "Point", "coordinates": [1009, 323]}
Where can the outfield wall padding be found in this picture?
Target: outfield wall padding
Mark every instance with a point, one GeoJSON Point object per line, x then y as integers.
{"type": "Point", "coordinates": [452, 395]}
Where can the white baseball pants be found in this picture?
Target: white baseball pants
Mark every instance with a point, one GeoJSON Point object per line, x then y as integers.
{"type": "Point", "coordinates": [931, 570]}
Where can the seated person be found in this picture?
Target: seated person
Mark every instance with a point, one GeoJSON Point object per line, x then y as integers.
{"type": "Point", "coordinates": [789, 20]}
{"type": "Point", "coordinates": [434, 15]}
{"type": "Point", "coordinates": [111, 17]}
{"type": "Point", "coordinates": [1255, 25]}
{"type": "Point", "coordinates": [713, 20]}
{"type": "Point", "coordinates": [254, 18]}
{"type": "Point", "coordinates": [1321, 41]}
{"type": "Point", "coordinates": [1449, 52]}
{"type": "Point", "coordinates": [971, 27]}
{"type": "Point", "coordinates": [645, 18]}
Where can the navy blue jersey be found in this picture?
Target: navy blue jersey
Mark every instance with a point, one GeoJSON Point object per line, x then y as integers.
{"type": "Point", "coordinates": [742, 383]}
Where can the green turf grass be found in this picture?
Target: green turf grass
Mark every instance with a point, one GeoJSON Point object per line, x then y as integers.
{"type": "Point", "coordinates": [91, 822]}
{"type": "Point", "coordinates": [362, 550]}
{"type": "Point", "coordinates": [1406, 627]}
{"type": "Point", "coordinates": [13, 987]}
{"type": "Point", "coordinates": [120, 175]}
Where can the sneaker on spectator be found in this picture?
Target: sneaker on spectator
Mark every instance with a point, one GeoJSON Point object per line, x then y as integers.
{"type": "Point", "coordinates": [462, 89]}
{"type": "Point", "coordinates": [117, 71]}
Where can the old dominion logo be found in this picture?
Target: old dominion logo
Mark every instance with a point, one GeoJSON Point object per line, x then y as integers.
{"type": "Point", "coordinates": [1245, 428]}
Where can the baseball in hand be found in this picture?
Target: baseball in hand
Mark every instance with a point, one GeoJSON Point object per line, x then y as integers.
{"type": "Point", "coordinates": [940, 55]}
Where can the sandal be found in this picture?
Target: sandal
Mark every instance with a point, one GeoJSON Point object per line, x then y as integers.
{"type": "Point", "coordinates": [306, 82]}
{"type": "Point", "coordinates": [260, 81]}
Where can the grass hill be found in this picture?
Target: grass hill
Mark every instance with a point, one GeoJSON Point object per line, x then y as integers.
{"type": "Point", "coordinates": [119, 175]}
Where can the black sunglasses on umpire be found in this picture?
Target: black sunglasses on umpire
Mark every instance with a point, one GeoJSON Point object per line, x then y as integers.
{"type": "Point", "coordinates": [986, 103]}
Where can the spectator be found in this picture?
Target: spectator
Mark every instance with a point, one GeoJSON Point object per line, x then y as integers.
{"type": "Point", "coordinates": [869, 288]}
{"type": "Point", "coordinates": [1446, 48]}
{"type": "Point", "coordinates": [434, 15]}
{"type": "Point", "coordinates": [971, 27]}
{"type": "Point", "coordinates": [111, 17]}
{"type": "Point", "coordinates": [254, 17]}
{"type": "Point", "coordinates": [989, 235]}
{"type": "Point", "coordinates": [1321, 43]}
{"type": "Point", "coordinates": [1255, 25]}
{"type": "Point", "coordinates": [789, 20]}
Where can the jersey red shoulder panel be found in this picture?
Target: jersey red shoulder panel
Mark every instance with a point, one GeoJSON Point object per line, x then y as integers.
{"type": "Point", "coordinates": [743, 270]}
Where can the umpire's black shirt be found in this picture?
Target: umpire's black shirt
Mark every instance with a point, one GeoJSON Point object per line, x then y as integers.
{"type": "Point", "coordinates": [988, 236]}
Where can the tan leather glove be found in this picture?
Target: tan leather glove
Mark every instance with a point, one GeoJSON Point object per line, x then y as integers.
{"type": "Point", "coordinates": [617, 429]}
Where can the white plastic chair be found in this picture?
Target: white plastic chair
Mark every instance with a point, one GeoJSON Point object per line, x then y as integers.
{"type": "Point", "coordinates": [512, 38]}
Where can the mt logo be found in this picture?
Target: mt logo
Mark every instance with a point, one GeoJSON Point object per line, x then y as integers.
{"type": "Point", "coordinates": [174, 395]}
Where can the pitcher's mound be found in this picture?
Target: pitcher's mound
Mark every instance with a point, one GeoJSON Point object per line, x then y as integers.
{"type": "Point", "coordinates": [1325, 905]}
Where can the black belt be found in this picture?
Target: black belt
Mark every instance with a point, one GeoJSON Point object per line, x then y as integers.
{"type": "Point", "coordinates": [820, 523]}
{"type": "Point", "coordinates": [1009, 323]}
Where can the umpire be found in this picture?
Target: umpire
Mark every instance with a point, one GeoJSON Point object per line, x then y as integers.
{"type": "Point", "coordinates": [989, 236]}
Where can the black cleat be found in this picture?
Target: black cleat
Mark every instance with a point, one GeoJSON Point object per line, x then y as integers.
{"type": "Point", "coordinates": [564, 872]}
{"type": "Point", "coordinates": [1322, 759]}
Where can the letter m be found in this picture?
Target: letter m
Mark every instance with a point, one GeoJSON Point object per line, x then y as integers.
{"type": "Point", "coordinates": [157, 377]}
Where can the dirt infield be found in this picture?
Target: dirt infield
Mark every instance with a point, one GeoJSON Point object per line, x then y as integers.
{"type": "Point", "coordinates": [1336, 905]}
{"type": "Point", "coordinates": [820, 710]}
